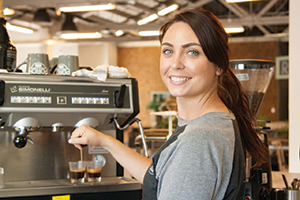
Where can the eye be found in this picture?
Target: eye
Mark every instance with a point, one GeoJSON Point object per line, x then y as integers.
{"type": "Point", "coordinates": [167, 51]}
{"type": "Point", "coordinates": [193, 53]}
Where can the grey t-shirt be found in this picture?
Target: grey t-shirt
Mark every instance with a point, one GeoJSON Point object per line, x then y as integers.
{"type": "Point", "coordinates": [203, 159]}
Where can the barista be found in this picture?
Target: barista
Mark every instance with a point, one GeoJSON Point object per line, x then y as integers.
{"type": "Point", "coordinates": [204, 158]}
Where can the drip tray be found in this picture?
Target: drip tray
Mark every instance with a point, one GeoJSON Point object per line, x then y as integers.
{"type": "Point", "coordinates": [64, 186]}
{"type": "Point", "coordinates": [38, 183]}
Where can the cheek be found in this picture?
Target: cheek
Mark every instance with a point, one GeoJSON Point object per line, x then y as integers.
{"type": "Point", "coordinates": [162, 67]}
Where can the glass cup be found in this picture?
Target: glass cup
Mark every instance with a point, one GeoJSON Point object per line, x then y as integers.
{"type": "Point", "coordinates": [77, 171]}
{"type": "Point", "coordinates": [94, 170]}
{"type": "Point", "coordinates": [1, 177]}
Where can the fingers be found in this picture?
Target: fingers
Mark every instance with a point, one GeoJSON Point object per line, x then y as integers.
{"type": "Point", "coordinates": [78, 146]}
{"type": "Point", "coordinates": [85, 135]}
{"type": "Point", "coordinates": [79, 136]}
{"type": "Point", "coordinates": [77, 133]}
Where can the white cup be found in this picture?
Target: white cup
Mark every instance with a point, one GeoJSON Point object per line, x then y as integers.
{"type": "Point", "coordinates": [35, 63]}
{"type": "Point", "coordinates": [67, 64]}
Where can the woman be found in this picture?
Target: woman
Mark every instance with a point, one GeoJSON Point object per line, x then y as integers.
{"type": "Point", "coordinates": [205, 156]}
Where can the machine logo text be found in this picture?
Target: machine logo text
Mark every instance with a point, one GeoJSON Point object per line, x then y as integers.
{"type": "Point", "coordinates": [29, 89]}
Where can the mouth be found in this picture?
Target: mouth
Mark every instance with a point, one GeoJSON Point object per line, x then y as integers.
{"type": "Point", "coordinates": [179, 79]}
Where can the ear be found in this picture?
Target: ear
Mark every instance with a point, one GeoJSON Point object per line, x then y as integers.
{"type": "Point", "coordinates": [219, 71]}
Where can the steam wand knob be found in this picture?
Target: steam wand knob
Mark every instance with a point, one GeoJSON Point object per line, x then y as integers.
{"type": "Point", "coordinates": [119, 96]}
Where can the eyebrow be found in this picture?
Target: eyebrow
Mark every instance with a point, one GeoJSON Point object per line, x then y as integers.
{"type": "Point", "coordinates": [184, 46]}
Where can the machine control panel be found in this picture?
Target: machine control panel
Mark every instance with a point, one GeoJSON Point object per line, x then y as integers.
{"type": "Point", "coordinates": [60, 100]}
{"type": "Point", "coordinates": [50, 99]}
{"type": "Point", "coordinates": [90, 100]}
{"type": "Point", "coordinates": [49, 93]}
{"type": "Point", "coordinates": [30, 99]}
{"type": "Point", "coordinates": [67, 95]}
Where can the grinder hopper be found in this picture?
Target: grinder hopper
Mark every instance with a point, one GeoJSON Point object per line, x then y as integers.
{"type": "Point", "coordinates": [255, 77]}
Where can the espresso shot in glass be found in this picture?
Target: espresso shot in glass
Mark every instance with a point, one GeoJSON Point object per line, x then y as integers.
{"type": "Point", "coordinates": [94, 170]}
{"type": "Point", "coordinates": [77, 171]}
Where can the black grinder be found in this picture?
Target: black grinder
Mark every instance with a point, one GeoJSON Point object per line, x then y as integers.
{"type": "Point", "coordinates": [255, 77]}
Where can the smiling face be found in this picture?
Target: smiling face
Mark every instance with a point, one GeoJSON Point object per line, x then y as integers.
{"type": "Point", "coordinates": [184, 67]}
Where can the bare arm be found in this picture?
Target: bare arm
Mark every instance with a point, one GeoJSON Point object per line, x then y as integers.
{"type": "Point", "coordinates": [135, 163]}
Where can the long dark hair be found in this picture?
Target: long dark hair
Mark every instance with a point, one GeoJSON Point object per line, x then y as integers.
{"type": "Point", "coordinates": [214, 42]}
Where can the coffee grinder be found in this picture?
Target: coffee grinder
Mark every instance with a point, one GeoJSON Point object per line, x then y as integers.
{"type": "Point", "coordinates": [255, 77]}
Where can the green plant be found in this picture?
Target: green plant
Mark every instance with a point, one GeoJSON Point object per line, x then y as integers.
{"type": "Point", "coordinates": [154, 105]}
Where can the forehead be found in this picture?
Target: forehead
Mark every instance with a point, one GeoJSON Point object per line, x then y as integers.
{"type": "Point", "coordinates": [180, 32]}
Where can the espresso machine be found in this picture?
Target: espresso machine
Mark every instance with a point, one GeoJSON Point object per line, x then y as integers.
{"type": "Point", "coordinates": [37, 116]}
{"type": "Point", "coordinates": [255, 77]}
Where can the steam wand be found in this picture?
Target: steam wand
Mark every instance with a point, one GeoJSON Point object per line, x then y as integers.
{"type": "Point", "coordinates": [141, 131]}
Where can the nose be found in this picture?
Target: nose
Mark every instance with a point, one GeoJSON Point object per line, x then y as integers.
{"type": "Point", "coordinates": [177, 62]}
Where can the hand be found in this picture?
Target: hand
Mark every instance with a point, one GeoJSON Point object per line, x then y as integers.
{"type": "Point", "coordinates": [85, 135]}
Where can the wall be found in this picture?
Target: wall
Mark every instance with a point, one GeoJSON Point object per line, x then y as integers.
{"type": "Point", "coordinates": [294, 84]}
{"type": "Point", "coordinates": [143, 64]}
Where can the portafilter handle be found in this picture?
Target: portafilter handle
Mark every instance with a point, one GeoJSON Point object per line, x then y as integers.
{"type": "Point", "coordinates": [21, 139]}
{"type": "Point", "coordinates": [24, 126]}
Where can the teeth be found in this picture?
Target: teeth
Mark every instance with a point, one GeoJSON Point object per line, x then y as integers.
{"type": "Point", "coordinates": [179, 79]}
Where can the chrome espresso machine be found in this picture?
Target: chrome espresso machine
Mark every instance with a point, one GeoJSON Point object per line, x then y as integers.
{"type": "Point", "coordinates": [37, 116]}
{"type": "Point", "coordinates": [255, 77]}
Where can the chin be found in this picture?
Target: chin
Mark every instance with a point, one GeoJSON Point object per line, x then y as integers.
{"type": "Point", "coordinates": [176, 93]}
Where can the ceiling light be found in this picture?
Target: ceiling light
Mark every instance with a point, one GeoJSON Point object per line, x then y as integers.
{"type": "Point", "coordinates": [69, 25]}
{"type": "Point", "coordinates": [119, 33]}
{"type": "Point", "coordinates": [81, 35]}
{"type": "Point", "coordinates": [235, 30]}
{"type": "Point", "coordinates": [105, 31]}
{"type": "Point", "coordinates": [19, 29]}
{"type": "Point", "coordinates": [109, 6]}
{"type": "Point", "coordinates": [42, 18]}
{"type": "Point", "coordinates": [148, 33]}
{"type": "Point", "coordinates": [8, 11]}
{"type": "Point", "coordinates": [239, 1]}
{"type": "Point", "coordinates": [167, 10]}
{"type": "Point", "coordinates": [148, 19]}
{"type": "Point", "coordinates": [50, 42]}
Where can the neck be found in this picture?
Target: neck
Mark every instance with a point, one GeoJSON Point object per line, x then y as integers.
{"type": "Point", "coordinates": [193, 107]}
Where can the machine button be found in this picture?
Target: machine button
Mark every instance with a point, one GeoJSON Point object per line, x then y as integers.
{"type": "Point", "coordinates": [61, 100]}
{"type": "Point", "coordinates": [98, 100]}
{"type": "Point", "coordinates": [83, 100]}
{"type": "Point", "coordinates": [24, 99]}
{"type": "Point", "coordinates": [75, 100]}
{"type": "Point", "coordinates": [15, 99]}
{"type": "Point", "coordinates": [47, 100]}
{"type": "Point", "coordinates": [91, 100]}
{"type": "Point", "coordinates": [39, 100]}
{"type": "Point", "coordinates": [105, 100]}
{"type": "Point", "coordinates": [31, 99]}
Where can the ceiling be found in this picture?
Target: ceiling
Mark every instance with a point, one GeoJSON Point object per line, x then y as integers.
{"type": "Point", "coordinates": [264, 19]}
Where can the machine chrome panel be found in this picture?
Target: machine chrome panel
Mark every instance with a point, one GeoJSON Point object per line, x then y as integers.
{"type": "Point", "coordinates": [42, 167]}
